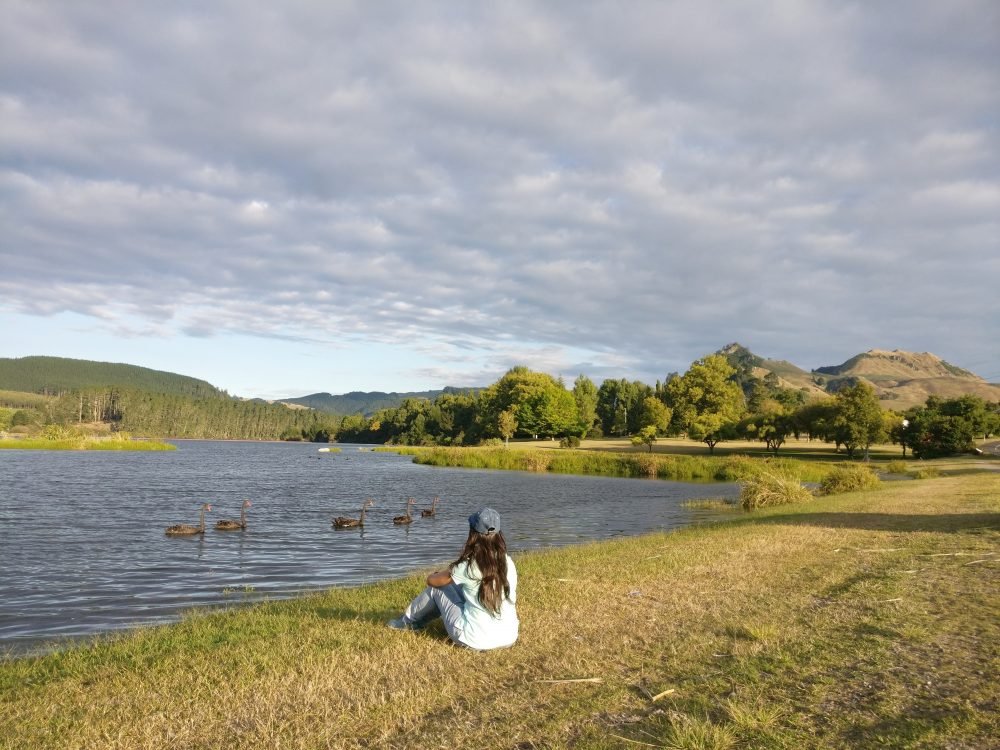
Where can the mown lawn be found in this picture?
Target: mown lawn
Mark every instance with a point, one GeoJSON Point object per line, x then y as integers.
{"type": "Point", "coordinates": [853, 621]}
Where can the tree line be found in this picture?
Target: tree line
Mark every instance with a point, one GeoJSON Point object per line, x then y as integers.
{"type": "Point", "coordinates": [141, 412]}
{"type": "Point", "coordinates": [719, 398]}
{"type": "Point", "coordinates": [714, 401]}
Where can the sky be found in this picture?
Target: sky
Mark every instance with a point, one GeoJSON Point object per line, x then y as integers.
{"type": "Point", "coordinates": [296, 197]}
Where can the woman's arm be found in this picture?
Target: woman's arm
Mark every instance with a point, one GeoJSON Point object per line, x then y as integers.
{"type": "Point", "coordinates": [439, 578]}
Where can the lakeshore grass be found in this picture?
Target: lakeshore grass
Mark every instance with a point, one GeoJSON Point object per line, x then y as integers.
{"type": "Point", "coordinates": [683, 468]}
{"type": "Point", "coordinates": [767, 489]}
{"type": "Point", "coordinates": [853, 478]}
{"type": "Point", "coordinates": [85, 444]}
{"type": "Point", "coordinates": [860, 620]}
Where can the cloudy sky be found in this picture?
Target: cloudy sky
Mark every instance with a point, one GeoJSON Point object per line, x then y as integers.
{"type": "Point", "coordinates": [285, 198]}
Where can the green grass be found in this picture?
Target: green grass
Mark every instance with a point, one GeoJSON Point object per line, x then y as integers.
{"type": "Point", "coordinates": [866, 620]}
{"type": "Point", "coordinates": [85, 444]}
{"type": "Point", "coordinates": [685, 468]}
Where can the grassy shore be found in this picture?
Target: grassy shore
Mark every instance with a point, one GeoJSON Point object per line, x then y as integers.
{"type": "Point", "coordinates": [684, 468]}
{"type": "Point", "coordinates": [851, 621]}
{"type": "Point", "coordinates": [85, 444]}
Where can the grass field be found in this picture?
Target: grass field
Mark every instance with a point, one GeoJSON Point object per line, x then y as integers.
{"type": "Point", "coordinates": [852, 621]}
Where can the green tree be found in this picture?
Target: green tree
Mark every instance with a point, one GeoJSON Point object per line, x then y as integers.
{"type": "Point", "coordinates": [772, 425]}
{"type": "Point", "coordinates": [706, 403]}
{"type": "Point", "coordinates": [653, 413]}
{"type": "Point", "coordinates": [453, 418]}
{"type": "Point", "coordinates": [613, 403]}
{"type": "Point", "coordinates": [506, 425]}
{"type": "Point", "coordinates": [894, 425]}
{"type": "Point", "coordinates": [645, 436]}
{"type": "Point", "coordinates": [858, 420]}
{"type": "Point", "coordinates": [618, 405]}
{"type": "Point", "coordinates": [973, 410]}
{"type": "Point", "coordinates": [945, 427]}
{"type": "Point", "coordinates": [585, 395]}
{"type": "Point", "coordinates": [542, 405]}
{"type": "Point", "coordinates": [815, 418]}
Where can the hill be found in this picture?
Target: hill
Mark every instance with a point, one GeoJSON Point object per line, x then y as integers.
{"type": "Point", "coordinates": [901, 379]}
{"type": "Point", "coordinates": [878, 364]}
{"type": "Point", "coordinates": [788, 375]}
{"type": "Point", "coordinates": [56, 375]}
{"type": "Point", "coordinates": [364, 402]}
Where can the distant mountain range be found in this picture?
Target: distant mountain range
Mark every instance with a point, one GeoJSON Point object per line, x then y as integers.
{"type": "Point", "coordinates": [901, 379]}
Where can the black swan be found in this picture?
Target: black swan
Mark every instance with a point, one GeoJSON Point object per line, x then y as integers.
{"type": "Point", "coordinates": [230, 525]}
{"type": "Point", "coordinates": [431, 511]}
{"type": "Point", "coordinates": [343, 522]}
{"type": "Point", "coordinates": [182, 529]}
{"type": "Point", "coordinates": [400, 520]}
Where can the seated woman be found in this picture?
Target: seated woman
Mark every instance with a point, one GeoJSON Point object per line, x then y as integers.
{"type": "Point", "coordinates": [476, 596]}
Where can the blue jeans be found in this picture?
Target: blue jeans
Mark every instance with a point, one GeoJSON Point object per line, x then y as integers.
{"type": "Point", "coordinates": [446, 602]}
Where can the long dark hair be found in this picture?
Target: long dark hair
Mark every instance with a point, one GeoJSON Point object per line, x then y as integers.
{"type": "Point", "coordinates": [489, 553]}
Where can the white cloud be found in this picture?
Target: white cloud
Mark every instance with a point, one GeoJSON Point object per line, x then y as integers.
{"type": "Point", "coordinates": [587, 185]}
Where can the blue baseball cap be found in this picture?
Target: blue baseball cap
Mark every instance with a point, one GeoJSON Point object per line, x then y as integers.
{"type": "Point", "coordinates": [485, 521]}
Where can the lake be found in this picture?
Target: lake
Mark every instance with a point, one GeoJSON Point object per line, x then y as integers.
{"type": "Point", "coordinates": [83, 549]}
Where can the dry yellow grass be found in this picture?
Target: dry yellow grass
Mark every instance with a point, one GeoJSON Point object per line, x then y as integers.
{"type": "Point", "coordinates": [855, 621]}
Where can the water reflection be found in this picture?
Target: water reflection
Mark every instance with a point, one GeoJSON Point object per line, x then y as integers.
{"type": "Point", "coordinates": [84, 548]}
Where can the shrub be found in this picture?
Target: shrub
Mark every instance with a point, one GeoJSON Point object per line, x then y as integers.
{"type": "Point", "coordinates": [896, 467]}
{"type": "Point", "coordinates": [852, 478]}
{"type": "Point", "coordinates": [25, 417]}
{"type": "Point", "coordinates": [765, 489]}
{"type": "Point", "coordinates": [492, 443]}
{"type": "Point", "coordinates": [58, 432]}
{"type": "Point", "coordinates": [928, 472]}
{"type": "Point", "coordinates": [570, 441]}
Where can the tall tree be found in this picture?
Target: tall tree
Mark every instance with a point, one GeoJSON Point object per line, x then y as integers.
{"type": "Point", "coordinates": [542, 405]}
{"type": "Point", "coordinates": [585, 395]}
{"type": "Point", "coordinates": [858, 420]}
{"type": "Point", "coordinates": [506, 425]}
{"type": "Point", "coordinates": [706, 403]}
{"type": "Point", "coordinates": [772, 424]}
{"type": "Point", "coordinates": [618, 403]}
{"type": "Point", "coordinates": [653, 413]}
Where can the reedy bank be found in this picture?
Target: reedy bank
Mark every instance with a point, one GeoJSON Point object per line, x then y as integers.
{"type": "Point", "coordinates": [680, 468]}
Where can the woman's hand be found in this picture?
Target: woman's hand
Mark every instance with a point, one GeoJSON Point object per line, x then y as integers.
{"type": "Point", "coordinates": [439, 578]}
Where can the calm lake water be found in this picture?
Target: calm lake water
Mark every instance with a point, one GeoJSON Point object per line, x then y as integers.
{"type": "Point", "coordinates": [83, 549]}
